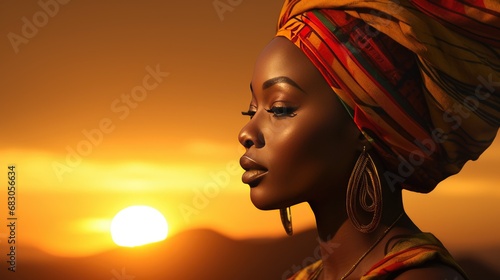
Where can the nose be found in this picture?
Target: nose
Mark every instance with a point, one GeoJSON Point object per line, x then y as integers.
{"type": "Point", "coordinates": [250, 135]}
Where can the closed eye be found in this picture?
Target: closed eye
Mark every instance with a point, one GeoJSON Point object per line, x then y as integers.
{"type": "Point", "coordinates": [279, 111]}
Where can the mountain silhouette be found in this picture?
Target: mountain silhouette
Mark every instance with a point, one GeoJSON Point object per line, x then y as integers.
{"type": "Point", "coordinates": [477, 270]}
{"type": "Point", "coordinates": [195, 254]}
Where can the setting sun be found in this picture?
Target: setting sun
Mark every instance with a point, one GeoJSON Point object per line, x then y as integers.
{"type": "Point", "coordinates": [138, 225]}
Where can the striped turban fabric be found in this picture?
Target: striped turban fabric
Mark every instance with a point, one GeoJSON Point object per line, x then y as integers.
{"type": "Point", "coordinates": [420, 78]}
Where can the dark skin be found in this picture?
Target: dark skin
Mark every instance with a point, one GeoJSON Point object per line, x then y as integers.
{"type": "Point", "coordinates": [301, 146]}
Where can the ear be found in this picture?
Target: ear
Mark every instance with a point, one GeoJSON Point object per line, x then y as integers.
{"type": "Point", "coordinates": [364, 141]}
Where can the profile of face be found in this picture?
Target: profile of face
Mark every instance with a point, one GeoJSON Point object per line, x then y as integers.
{"type": "Point", "coordinates": [300, 142]}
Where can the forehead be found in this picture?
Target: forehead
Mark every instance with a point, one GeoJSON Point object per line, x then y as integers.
{"type": "Point", "coordinates": [282, 58]}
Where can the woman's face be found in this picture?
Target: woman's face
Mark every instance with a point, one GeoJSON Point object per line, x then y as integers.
{"type": "Point", "coordinates": [300, 142]}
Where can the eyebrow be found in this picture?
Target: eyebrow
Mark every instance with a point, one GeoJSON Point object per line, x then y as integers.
{"type": "Point", "coordinates": [279, 80]}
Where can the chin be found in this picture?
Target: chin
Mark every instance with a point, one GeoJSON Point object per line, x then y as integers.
{"type": "Point", "coordinates": [264, 205]}
{"type": "Point", "coordinates": [264, 201]}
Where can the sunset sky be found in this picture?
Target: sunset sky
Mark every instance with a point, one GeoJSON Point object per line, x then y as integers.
{"type": "Point", "coordinates": [108, 104]}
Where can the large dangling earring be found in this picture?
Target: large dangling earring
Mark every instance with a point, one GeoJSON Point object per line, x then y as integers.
{"type": "Point", "coordinates": [286, 219]}
{"type": "Point", "coordinates": [364, 189]}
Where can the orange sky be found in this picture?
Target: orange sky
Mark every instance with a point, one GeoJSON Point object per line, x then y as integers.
{"type": "Point", "coordinates": [171, 142]}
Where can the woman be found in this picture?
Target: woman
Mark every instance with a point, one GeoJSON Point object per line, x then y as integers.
{"type": "Point", "coordinates": [353, 102]}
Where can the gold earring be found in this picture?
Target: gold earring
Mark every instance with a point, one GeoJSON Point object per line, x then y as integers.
{"type": "Point", "coordinates": [364, 189]}
{"type": "Point", "coordinates": [286, 220]}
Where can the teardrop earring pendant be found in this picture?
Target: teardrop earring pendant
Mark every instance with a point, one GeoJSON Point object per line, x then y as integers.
{"type": "Point", "coordinates": [286, 220]}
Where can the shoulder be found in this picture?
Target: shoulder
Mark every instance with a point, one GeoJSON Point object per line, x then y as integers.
{"type": "Point", "coordinates": [434, 272]}
{"type": "Point", "coordinates": [418, 256]}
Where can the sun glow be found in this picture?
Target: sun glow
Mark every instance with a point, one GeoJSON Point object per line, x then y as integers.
{"type": "Point", "coordinates": [138, 225]}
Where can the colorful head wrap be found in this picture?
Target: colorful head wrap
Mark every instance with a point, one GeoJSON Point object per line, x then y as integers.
{"type": "Point", "coordinates": [420, 78]}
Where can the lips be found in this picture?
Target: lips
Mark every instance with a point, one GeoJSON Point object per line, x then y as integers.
{"type": "Point", "coordinates": [254, 171]}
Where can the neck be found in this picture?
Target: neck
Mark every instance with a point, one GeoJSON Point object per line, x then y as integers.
{"type": "Point", "coordinates": [341, 244]}
{"type": "Point", "coordinates": [344, 248]}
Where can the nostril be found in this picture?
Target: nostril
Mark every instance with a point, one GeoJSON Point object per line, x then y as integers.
{"type": "Point", "coordinates": [248, 143]}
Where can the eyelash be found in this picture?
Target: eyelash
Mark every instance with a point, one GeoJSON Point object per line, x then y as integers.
{"type": "Point", "coordinates": [277, 111]}
{"type": "Point", "coordinates": [248, 113]}
{"type": "Point", "coordinates": [281, 111]}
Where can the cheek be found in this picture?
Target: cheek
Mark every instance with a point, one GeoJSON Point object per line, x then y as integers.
{"type": "Point", "coordinates": [323, 151]}
{"type": "Point", "coordinates": [324, 137]}
{"type": "Point", "coordinates": [311, 152]}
